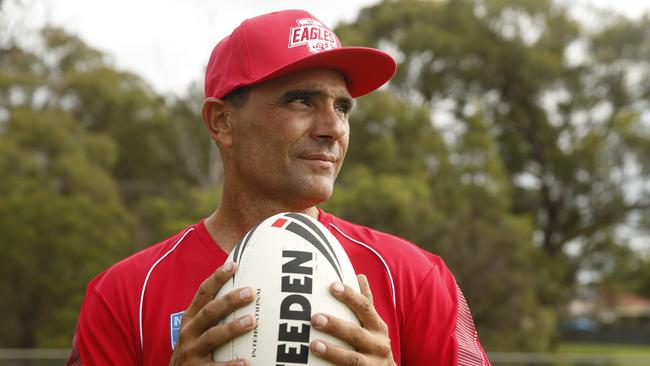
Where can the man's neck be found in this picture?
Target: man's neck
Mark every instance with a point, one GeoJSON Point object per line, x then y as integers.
{"type": "Point", "coordinates": [234, 218]}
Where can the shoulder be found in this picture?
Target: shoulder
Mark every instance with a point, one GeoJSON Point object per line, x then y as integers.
{"type": "Point", "coordinates": [408, 266]}
{"type": "Point", "coordinates": [131, 271]}
{"type": "Point", "coordinates": [108, 321]}
{"type": "Point", "coordinates": [429, 305]}
{"type": "Point", "coordinates": [396, 251]}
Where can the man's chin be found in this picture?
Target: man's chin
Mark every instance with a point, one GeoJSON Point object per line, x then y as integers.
{"type": "Point", "coordinates": [313, 193]}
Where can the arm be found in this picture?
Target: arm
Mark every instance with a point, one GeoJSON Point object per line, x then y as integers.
{"type": "Point", "coordinates": [103, 337]}
{"type": "Point", "coordinates": [439, 329]}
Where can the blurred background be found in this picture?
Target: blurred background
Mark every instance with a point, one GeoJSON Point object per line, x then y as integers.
{"type": "Point", "coordinates": [514, 142]}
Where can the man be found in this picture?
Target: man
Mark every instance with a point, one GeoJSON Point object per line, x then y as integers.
{"type": "Point", "coordinates": [279, 91]}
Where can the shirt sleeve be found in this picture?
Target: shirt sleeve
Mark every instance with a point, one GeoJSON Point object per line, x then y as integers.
{"type": "Point", "coordinates": [103, 335]}
{"type": "Point", "coordinates": [439, 329]}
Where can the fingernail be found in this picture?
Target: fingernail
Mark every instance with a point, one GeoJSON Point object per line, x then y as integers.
{"type": "Point", "coordinates": [363, 277]}
{"type": "Point", "coordinates": [338, 287]}
{"type": "Point", "coordinates": [227, 267]}
{"type": "Point", "coordinates": [320, 347]}
{"type": "Point", "coordinates": [246, 322]}
{"type": "Point", "coordinates": [245, 293]}
{"type": "Point", "coordinates": [319, 320]}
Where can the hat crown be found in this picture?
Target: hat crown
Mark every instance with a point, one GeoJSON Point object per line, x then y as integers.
{"type": "Point", "coordinates": [272, 44]}
{"type": "Point", "coordinates": [275, 39]}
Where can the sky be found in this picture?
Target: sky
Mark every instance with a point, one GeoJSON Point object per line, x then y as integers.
{"type": "Point", "coordinates": [168, 42]}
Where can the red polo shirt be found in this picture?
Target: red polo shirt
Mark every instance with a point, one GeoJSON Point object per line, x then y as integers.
{"type": "Point", "coordinates": [131, 313]}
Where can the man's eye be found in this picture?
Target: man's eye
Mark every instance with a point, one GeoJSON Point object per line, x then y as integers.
{"type": "Point", "coordinates": [299, 100]}
{"type": "Point", "coordinates": [342, 108]}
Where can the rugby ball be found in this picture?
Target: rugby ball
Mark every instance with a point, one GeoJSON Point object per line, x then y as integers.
{"type": "Point", "coordinates": [291, 260]}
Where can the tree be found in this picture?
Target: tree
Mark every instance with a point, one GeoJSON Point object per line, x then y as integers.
{"type": "Point", "coordinates": [83, 151]}
{"type": "Point", "coordinates": [61, 218]}
{"type": "Point", "coordinates": [163, 152]}
{"type": "Point", "coordinates": [567, 133]}
{"type": "Point", "coordinates": [543, 160]}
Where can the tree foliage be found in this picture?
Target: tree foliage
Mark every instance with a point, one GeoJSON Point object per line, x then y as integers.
{"type": "Point", "coordinates": [61, 217]}
{"type": "Point", "coordinates": [513, 141]}
{"type": "Point", "coordinates": [552, 133]}
{"type": "Point", "coordinates": [94, 167]}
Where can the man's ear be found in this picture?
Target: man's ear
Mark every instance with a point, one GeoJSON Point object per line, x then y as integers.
{"type": "Point", "coordinates": [217, 118]}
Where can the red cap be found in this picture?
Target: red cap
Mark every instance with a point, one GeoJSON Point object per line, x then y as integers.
{"type": "Point", "coordinates": [282, 42]}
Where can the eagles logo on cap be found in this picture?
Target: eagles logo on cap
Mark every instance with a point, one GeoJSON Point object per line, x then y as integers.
{"type": "Point", "coordinates": [312, 33]}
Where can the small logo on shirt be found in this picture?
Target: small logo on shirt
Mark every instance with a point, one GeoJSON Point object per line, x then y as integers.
{"type": "Point", "coordinates": [175, 326]}
{"type": "Point", "coordinates": [313, 34]}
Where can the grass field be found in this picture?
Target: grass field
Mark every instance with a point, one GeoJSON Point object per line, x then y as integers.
{"type": "Point", "coordinates": [609, 349]}
{"type": "Point", "coordinates": [579, 354]}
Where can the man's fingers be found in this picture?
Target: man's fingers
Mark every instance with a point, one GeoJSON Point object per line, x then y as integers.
{"type": "Point", "coordinates": [201, 332]}
{"type": "Point", "coordinates": [360, 304]}
{"type": "Point", "coordinates": [364, 286]}
{"type": "Point", "coordinates": [217, 309]}
{"type": "Point", "coordinates": [209, 288]}
{"type": "Point", "coordinates": [354, 335]}
{"type": "Point", "coordinates": [218, 335]}
{"type": "Point", "coordinates": [336, 355]}
{"type": "Point", "coordinates": [232, 363]}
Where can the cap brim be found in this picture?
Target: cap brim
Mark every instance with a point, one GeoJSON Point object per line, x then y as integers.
{"type": "Point", "coordinates": [365, 69]}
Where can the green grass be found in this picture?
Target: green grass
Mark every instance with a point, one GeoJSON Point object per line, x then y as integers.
{"type": "Point", "coordinates": [610, 349]}
{"type": "Point", "coordinates": [581, 354]}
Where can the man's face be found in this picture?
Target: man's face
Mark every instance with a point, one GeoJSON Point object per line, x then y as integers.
{"type": "Point", "coordinates": [290, 138]}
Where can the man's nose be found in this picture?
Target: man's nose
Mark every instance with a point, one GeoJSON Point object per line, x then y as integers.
{"type": "Point", "coordinates": [331, 124]}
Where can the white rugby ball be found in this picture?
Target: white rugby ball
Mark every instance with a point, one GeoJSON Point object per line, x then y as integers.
{"type": "Point", "coordinates": [291, 260]}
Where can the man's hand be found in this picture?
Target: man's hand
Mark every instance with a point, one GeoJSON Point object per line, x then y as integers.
{"type": "Point", "coordinates": [370, 340]}
{"type": "Point", "coordinates": [200, 332]}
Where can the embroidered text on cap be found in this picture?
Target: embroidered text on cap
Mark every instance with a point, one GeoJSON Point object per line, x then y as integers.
{"type": "Point", "coordinates": [312, 33]}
